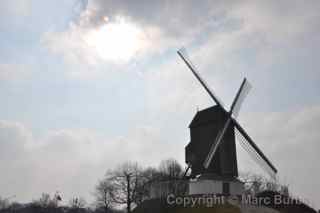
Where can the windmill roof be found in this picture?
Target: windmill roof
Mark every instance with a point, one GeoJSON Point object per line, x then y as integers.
{"type": "Point", "coordinates": [206, 115]}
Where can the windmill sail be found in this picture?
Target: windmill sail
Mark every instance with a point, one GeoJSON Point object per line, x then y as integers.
{"type": "Point", "coordinates": [242, 94]}
{"type": "Point", "coordinates": [253, 154]}
{"type": "Point", "coordinates": [254, 146]}
{"type": "Point", "coordinates": [216, 144]}
{"type": "Point", "coordinates": [235, 105]}
{"type": "Point", "coordinates": [201, 80]}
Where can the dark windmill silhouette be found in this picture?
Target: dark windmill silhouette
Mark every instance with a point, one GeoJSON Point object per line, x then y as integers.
{"type": "Point", "coordinates": [211, 153]}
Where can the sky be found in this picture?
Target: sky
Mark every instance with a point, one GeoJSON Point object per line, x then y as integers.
{"type": "Point", "coordinates": [88, 84]}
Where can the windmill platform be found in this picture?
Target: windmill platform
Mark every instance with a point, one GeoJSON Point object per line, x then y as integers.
{"type": "Point", "coordinates": [218, 185]}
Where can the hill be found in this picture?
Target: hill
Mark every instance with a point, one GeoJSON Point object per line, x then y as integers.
{"type": "Point", "coordinates": [160, 206]}
{"type": "Point", "coordinates": [294, 206]}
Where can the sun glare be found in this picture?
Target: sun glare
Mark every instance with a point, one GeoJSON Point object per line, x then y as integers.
{"type": "Point", "coordinates": [116, 41]}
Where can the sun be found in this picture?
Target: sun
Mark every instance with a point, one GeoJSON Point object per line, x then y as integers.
{"type": "Point", "coordinates": [117, 41]}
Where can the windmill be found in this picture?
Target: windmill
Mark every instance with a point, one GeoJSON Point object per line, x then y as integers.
{"type": "Point", "coordinates": [211, 153]}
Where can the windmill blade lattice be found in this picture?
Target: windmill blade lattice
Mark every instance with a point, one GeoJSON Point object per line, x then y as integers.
{"type": "Point", "coordinates": [253, 154]}
{"type": "Point", "coordinates": [247, 138]}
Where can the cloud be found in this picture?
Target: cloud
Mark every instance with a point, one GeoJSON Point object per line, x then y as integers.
{"type": "Point", "coordinates": [70, 44]}
{"type": "Point", "coordinates": [69, 160]}
{"type": "Point", "coordinates": [14, 72]}
{"type": "Point", "coordinates": [225, 33]}
{"type": "Point", "coordinates": [76, 158]}
{"type": "Point", "coordinates": [14, 139]}
{"type": "Point", "coordinates": [175, 18]}
{"type": "Point", "coordinates": [117, 42]}
{"type": "Point", "coordinates": [161, 26]}
{"type": "Point", "coordinates": [16, 9]}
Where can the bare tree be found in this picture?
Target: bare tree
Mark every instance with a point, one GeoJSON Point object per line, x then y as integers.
{"type": "Point", "coordinates": [127, 183]}
{"type": "Point", "coordinates": [104, 194]}
{"type": "Point", "coordinates": [45, 201]}
{"type": "Point", "coordinates": [255, 184]}
{"type": "Point", "coordinates": [77, 202]}
{"type": "Point", "coordinates": [125, 180]}
{"type": "Point", "coordinates": [170, 169]}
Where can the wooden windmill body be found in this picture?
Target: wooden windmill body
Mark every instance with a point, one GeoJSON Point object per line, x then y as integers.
{"type": "Point", "coordinates": [204, 127]}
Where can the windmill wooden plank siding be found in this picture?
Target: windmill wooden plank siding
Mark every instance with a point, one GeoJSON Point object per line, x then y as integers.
{"type": "Point", "coordinates": [204, 128]}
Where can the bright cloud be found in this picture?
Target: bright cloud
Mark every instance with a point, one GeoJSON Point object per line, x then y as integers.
{"type": "Point", "coordinates": [115, 41]}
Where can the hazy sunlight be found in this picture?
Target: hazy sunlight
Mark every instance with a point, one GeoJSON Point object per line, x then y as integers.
{"type": "Point", "coordinates": [116, 41]}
